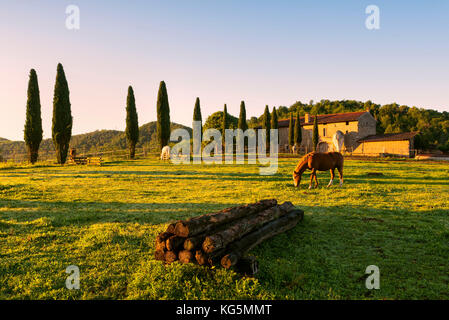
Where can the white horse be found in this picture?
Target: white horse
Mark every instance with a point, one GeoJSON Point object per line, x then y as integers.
{"type": "Point", "coordinates": [165, 153]}
{"type": "Point", "coordinates": [338, 139]}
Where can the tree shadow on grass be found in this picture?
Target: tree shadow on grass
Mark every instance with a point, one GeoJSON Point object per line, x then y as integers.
{"type": "Point", "coordinates": [82, 213]}
{"type": "Point", "coordinates": [182, 175]}
{"type": "Point", "coordinates": [331, 247]}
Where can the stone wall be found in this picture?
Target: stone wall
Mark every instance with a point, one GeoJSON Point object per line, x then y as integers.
{"type": "Point", "coordinates": [376, 148]}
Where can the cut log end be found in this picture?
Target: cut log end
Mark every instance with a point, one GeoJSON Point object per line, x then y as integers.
{"type": "Point", "coordinates": [174, 243]}
{"type": "Point", "coordinates": [229, 260]}
{"type": "Point", "coordinates": [200, 257]}
{"type": "Point", "coordinates": [186, 256]}
{"type": "Point", "coordinates": [182, 230]}
{"type": "Point", "coordinates": [170, 256]}
{"type": "Point", "coordinates": [159, 255]}
{"type": "Point", "coordinates": [160, 246]}
{"type": "Point", "coordinates": [189, 245]}
{"type": "Point", "coordinates": [209, 244]}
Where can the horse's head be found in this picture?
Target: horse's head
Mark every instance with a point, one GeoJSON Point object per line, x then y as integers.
{"type": "Point", "coordinates": [296, 178]}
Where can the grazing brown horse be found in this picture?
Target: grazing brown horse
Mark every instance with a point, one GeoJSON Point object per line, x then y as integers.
{"type": "Point", "coordinates": [319, 161]}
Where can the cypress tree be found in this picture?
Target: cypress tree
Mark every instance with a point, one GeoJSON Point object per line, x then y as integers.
{"type": "Point", "coordinates": [225, 121]}
{"type": "Point", "coordinates": [274, 120]}
{"type": "Point", "coordinates": [197, 111]}
{"type": "Point", "coordinates": [291, 132]}
{"type": "Point", "coordinates": [266, 124]}
{"type": "Point", "coordinates": [242, 124]}
{"type": "Point", "coordinates": [298, 133]}
{"type": "Point", "coordinates": [315, 134]}
{"type": "Point", "coordinates": [163, 116]}
{"type": "Point", "coordinates": [132, 124]}
{"type": "Point", "coordinates": [33, 123]}
{"type": "Point", "coordinates": [242, 117]}
{"type": "Point", "coordinates": [62, 116]}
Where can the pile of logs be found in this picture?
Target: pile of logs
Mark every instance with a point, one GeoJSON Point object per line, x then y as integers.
{"type": "Point", "coordinates": [224, 237]}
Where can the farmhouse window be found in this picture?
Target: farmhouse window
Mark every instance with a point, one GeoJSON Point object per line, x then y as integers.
{"type": "Point", "coordinates": [347, 123]}
{"type": "Point", "coordinates": [324, 132]}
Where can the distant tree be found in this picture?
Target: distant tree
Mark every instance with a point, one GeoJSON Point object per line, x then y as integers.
{"type": "Point", "coordinates": [215, 121]}
{"type": "Point", "coordinates": [132, 124]}
{"type": "Point", "coordinates": [298, 133]}
{"type": "Point", "coordinates": [266, 124]}
{"type": "Point", "coordinates": [242, 117]}
{"type": "Point", "coordinates": [274, 120]}
{"type": "Point", "coordinates": [315, 134]}
{"type": "Point", "coordinates": [62, 116]}
{"type": "Point", "coordinates": [163, 116]}
{"type": "Point", "coordinates": [291, 132]}
{"type": "Point", "coordinates": [253, 122]}
{"type": "Point", "coordinates": [33, 122]}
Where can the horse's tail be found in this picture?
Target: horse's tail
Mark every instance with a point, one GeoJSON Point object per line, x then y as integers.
{"type": "Point", "coordinates": [341, 161]}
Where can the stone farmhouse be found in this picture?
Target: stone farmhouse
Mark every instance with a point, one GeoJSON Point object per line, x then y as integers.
{"type": "Point", "coordinates": [359, 130]}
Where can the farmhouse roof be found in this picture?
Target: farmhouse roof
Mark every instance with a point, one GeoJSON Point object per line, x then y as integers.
{"type": "Point", "coordinates": [389, 137]}
{"type": "Point", "coordinates": [325, 118]}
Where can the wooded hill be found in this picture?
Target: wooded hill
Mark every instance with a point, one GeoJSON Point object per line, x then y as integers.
{"type": "Point", "coordinates": [100, 140]}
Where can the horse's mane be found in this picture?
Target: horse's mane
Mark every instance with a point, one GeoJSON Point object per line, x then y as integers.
{"type": "Point", "coordinates": [303, 161]}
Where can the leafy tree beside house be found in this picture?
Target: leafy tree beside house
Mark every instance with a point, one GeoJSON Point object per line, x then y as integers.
{"type": "Point", "coordinates": [163, 116]}
{"type": "Point", "coordinates": [215, 121]}
{"type": "Point", "coordinates": [62, 116]}
{"type": "Point", "coordinates": [298, 133]}
{"type": "Point", "coordinates": [132, 124]}
{"type": "Point", "coordinates": [33, 122]}
{"type": "Point", "coordinates": [315, 134]}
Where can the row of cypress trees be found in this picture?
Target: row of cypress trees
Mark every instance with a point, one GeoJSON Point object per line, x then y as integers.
{"type": "Point", "coordinates": [163, 119]}
{"type": "Point", "coordinates": [62, 119]}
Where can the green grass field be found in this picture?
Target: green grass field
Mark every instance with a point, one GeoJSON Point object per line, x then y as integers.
{"type": "Point", "coordinates": [105, 219]}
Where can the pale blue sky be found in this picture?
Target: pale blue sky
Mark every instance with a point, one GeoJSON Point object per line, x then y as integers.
{"type": "Point", "coordinates": [263, 52]}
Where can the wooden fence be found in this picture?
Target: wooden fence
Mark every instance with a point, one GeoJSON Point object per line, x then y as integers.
{"type": "Point", "coordinates": [109, 155]}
